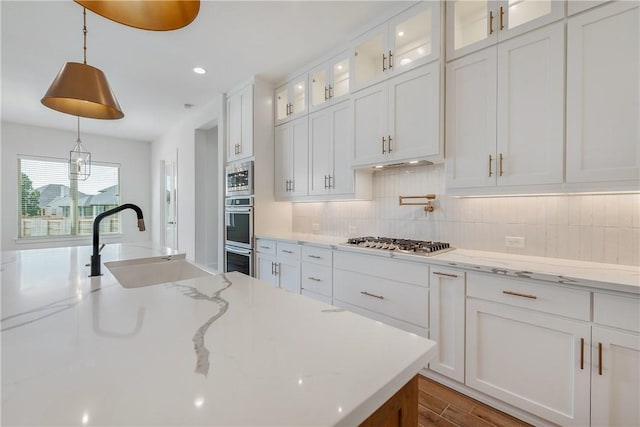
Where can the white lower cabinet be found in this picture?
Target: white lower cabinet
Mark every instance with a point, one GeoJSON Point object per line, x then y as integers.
{"type": "Point", "coordinates": [317, 274]}
{"type": "Point", "coordinates": [392, 291]}
{"type": "Point", "coordinates": [446, 321]}
{"type": "Point", "coordinates": [278, 263]}
{"type": "Point", "coordinates": [530, 360]}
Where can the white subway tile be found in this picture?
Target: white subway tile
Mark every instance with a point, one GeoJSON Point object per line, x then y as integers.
{"type": "Point", "coordinates": [635, 246]}
{"type": "Point", "coordinates": [535, 239]}
{"type": "Point", "coordinates": [625, 218]}
{"type": "Point", "coordinates": [574, 210]}
{"type": "Point", "coordinates": [611, 245]}
{"type": "Point", "coordinates": [597, 244]}
{"type": "Point", "coordinates": [584, 251]}
{"type": "Point", "coordinates": [599, 202]}
{"type": "Point", "coordinates": [586, 210]}
{"type": "Point", "coordinates": [612, 211]}
{"type": "Point", "coordinates": [562, 211]}
{"type": "Point", "coordinates": [635, 210]}
{"type": "Point", "coordinates": [625, 248]}
{"type": "Point", "coordinates": [573, 242]}
{"type": "Point", "coordinates": [551, 241]}
{"type": "Point", "coordinates": [552, 210]}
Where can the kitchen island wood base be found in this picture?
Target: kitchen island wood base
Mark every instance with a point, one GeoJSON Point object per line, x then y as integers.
{"type": "Point", "coordinates": [401, 410]}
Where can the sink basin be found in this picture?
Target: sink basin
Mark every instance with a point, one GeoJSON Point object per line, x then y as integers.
{"type": "Point", "coordinates": [136, 273]}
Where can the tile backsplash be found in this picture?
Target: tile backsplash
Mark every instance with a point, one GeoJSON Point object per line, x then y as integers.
{"type": "Point", "coordinates": [599, 228]}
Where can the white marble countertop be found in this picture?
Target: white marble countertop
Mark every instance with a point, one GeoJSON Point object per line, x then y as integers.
{"type": "Point", "coordinates": [216, 350]}
{"type": "Point", "coordinates": [612, 277]}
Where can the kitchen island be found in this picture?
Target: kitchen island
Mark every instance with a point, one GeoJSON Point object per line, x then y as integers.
{"type": "Point", "coordinates": [215, 350]}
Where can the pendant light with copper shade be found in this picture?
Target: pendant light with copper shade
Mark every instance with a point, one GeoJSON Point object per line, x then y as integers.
{"type": "Point", "coordinates": [82, 90]}
{"type": "Point", "coordinates": [156, 15]}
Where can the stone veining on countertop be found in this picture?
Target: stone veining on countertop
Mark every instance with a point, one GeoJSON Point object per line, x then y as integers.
{"type": "Point", "coordinates": [202, 353]}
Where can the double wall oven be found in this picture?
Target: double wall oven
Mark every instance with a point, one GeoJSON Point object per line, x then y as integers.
{"type": "Point", "coordinates": [238, 218]}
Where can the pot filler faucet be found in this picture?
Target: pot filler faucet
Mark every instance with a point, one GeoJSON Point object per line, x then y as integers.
{"type": "Point", "coordinates": [95, 258]}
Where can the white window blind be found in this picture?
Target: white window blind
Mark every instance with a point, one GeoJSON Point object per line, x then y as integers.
{"type": "Point", "coordinates": [47, 197]}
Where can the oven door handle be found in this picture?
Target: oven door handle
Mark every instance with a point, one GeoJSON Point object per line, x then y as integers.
{"type": "Point", "coordinates": [238, 251]}
{"type": "Point", "coordinates": [238, 210]}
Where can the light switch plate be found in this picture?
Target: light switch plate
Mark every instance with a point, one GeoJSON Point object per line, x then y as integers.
{"type": "Point", "coordinates": [514, 242]}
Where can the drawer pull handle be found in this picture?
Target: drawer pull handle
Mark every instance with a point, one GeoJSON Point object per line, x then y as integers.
{"type": "Point", "coordinates": [445, 274]}
{"type": "Point", "coordinates": [314, 256]}
{"type": "Point", "coordinates": [599, 358]}
{"type": "Point", "coordinates": [581, 353]}
{"type": "Point", "coordinates": [286, 251]}
{"type": "Point", "coordinates": [315, 279]}
{"type": "Point", "coordinates": [265, 247]}
{"type": "Point", "coordinates": [520, 295]}
{"type": "Point", "coordinates": [371, 295]}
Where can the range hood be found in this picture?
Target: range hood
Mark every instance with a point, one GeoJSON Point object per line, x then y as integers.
{"type": "Point", "coordinates": [402, 164]}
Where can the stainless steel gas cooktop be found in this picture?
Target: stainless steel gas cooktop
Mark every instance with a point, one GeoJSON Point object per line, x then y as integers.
{"type": "Point", "coordinates": [414, 247]}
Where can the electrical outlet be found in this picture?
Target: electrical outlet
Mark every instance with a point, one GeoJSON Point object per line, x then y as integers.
{"type": "Point", "coordinates": [315, 227]}
{"type": "Point", "coordinates": [353, 229]}
{"type": "Point", "coordinates": [514, 242]}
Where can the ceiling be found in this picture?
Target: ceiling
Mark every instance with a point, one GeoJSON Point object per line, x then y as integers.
{"type": "Point", "coordinates": [151, 72]}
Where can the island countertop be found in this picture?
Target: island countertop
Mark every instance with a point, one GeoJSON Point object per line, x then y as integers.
{"type": "Point", "coordinates": [216, 350]}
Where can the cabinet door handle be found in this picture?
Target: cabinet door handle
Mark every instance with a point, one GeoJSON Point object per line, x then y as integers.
{"type": "Point", "coordinates": [501, 159]}
{"type": "Point", "coordinates": [390, 140]}
{"type": "Point", "coordinates": [491, 22]}
{"type": "Point", "coordinates": [581, 353]}
{"type": "Point", "coordinates": [383, 141]}
{"type": "Point", "coordinates": [390, 60]}
{"type": "Point", "coordinates": [314, 256]}
{"type": "Point", "coordinates": [292, 185]}
{"type": "Point", "coordinates": [501, 18]}
{"type": "Point", "coordinates": [325, 182]}
{"type": "Point", "coordinates": [265, 247]}
{"type": "Point", "coordinates": [384, 58]}
{"type": "Point", "coordinates": [326, 93]}
{"type": "Point", "coordinates": [331, 185]}
{"type": "Point", "coordinates": [455, 276]}
{"type": "Point", "coordinates": [273, 268]}
{"type": "Point", "coordinates": [314, 279]}
{"type": "Point", "coordinates": [371, 295]}
{"type": "Point", "coordinates": [330, 91]}
{"type": "Point", "coordinates": [599, 358]}
{"type": "Point", "coordinates": [490, 160]}
{"type": "Point", "coordinates": [520, 295]}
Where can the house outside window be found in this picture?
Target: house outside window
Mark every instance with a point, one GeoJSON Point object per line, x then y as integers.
{"type": "Point", "coordinates": [46, 198]}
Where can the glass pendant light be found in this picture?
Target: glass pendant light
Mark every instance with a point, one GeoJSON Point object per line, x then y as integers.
{"type": "Point", "coordinates": [156, 15]}
{"type": "Point", "coordinates": [79, 160]}
{"type": "Point", "coordinates": [82, 90]}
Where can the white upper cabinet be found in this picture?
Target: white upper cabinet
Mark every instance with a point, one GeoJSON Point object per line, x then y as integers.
{"type": "Point", "coordinates": [406, 41]}
{"type": "Point", "coordinates": [291, 100]}
{"type": "Point", "coordinates": [603, 136]}
{"type": "Point", "coordinates": [473, 25]}
{"type": "Point", "coordinates": [504, 120]}
{"type": "Point", "coordinates": [398, 120]}
{"type": "Point", "coordinates": [291, 148]}
{"type": "Point", "coordinates": [240, 124]}
{"type": "Point", "coordinates": [329, 82]}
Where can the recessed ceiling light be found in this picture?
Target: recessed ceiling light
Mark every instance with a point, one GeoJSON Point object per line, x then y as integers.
{"type": "Point", "coordinates": [400, 33]}
{"type": "Point", "coordinates": [199, 70]}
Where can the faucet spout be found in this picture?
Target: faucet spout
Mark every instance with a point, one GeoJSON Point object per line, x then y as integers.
{"type": "Point", "coordinates": [95, 258]}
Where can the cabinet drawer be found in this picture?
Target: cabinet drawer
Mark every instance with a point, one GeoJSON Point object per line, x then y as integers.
{"type": "Point", "coordinates": [317, 255]}
{"type": "Point", "coordinates": [264, 246]}
{"type": "Point", "coordinates": [288, 251]}
{"type": "Point", "coordinates": [398, 271]}
{"type": "Point", "coordinates": [529, 294]}
{"type": "Point", "coordinates": [317, 278]}
{"type": "Point", "coordinates": [400, 301]}
{"type": "Point", "coordinates": [617, 311]}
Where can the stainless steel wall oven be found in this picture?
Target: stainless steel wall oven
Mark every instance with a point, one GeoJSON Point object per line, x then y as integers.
{"type": "Point", "coordinates": [238, 221]}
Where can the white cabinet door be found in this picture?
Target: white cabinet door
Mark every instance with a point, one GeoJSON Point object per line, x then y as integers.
{"type": "Point", "coordinates": [289, 276]}
{"type": "Point", "coordinates": [240, 125]}
{"type": "Point", "coordinates": [530, 360]}
{"type": "Point", "coordinates": [291, 100]}
{"type": "Point", "coordinates": [320, 152]}
{"type": "Point", "coordinates": [603, 131]}
{"type": "Point", "coordinates": [414, 114]}
{"type": "Point", "coordinates": [446, 321]}
{"type": "Point", "coordinates": [265, 269]}
{"type": "Point", "coordinates": [530, 125]}
{"type": "Point", "coordinates": [342, 180]}
{"type": "Point", "coordinates": [471, 120]}
{"type": "Point", "coordinates": [329, 82]}
{"type": "Point", "coordinates": [370, 124]}
{"type": "Point", "coordinates": [615, 378]}
{"type": "Point", "coordinates": [291, 159]}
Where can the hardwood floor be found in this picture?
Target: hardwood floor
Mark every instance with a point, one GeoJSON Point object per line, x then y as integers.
{"type": "Point", "coordinates": [439, 406]}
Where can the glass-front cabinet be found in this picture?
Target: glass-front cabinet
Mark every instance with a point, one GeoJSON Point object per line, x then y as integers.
{"type": "Point", "coordinates": [329, 82]}
{"type": "Point", "coordinates": [474, 24]}
{"type": "Point", "coordinates": [291, 100]}
{"type": "Point", "coordinates": [406, 41]}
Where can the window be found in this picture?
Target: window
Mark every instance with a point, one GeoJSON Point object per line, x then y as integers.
{"type": "Point", "coordinates": [48, 199]}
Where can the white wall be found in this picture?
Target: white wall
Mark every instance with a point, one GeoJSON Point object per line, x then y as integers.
{"type": "Point", "coordinates": [135, 177]}
{"type": "Point", "coordinates": [181, 139]}
{"type": "Point", "coordinates": [599, 228]}
{"type": "Point", "coordinates": [206, 189]}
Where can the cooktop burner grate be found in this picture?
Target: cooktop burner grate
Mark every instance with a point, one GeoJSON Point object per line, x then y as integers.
{"type": "Point", "coordinates": [417, 247]}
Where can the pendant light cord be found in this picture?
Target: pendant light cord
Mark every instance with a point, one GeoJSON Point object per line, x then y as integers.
{"type": "Point", "coordinates": [84, 32]}
{"type": "Point", "coordinates": [78, 140]}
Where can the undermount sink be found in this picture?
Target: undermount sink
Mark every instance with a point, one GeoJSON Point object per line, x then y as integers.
{"type": "Point", "coordinates": [136, 273]}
